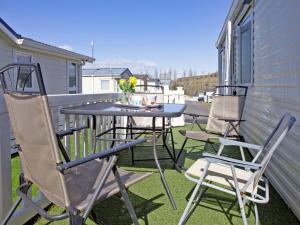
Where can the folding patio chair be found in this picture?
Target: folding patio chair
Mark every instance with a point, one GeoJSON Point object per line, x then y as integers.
{"type": "Point", "coordinates": [243, 179]}
{"type": "Point", "coordinates": [72, 185]}
{"type": "Point", "coordinates": [224, 116]}
{"type": "Point", "coordinates": [138, 126]}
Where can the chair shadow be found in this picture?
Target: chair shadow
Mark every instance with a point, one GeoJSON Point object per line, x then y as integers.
{"type": "Point", "coordinates": [276, 212]}
{"type": "Point", "coordinates": [221, 203]}
{"type": "Point", "coordinates": [114, 211]}
{"type": "Point", "coordinates": [142, 153]}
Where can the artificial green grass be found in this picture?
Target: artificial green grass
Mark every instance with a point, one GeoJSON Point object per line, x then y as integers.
{"type": "Point", "coordinates": [152, 205]}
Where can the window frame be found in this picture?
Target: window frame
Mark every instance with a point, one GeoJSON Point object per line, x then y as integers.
{"type": "Point", "coordinates": [105, 90]}
{"type": "Point", "coordinates": [247, 15]}
{"type": "Point", "coordinates": [72, 89]}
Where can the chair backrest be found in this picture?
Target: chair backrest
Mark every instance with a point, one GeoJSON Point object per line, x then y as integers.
{"type": "Point", "coordinates": [273, 141]}
{"type": "Point", "coordinates": [231, 90]}
{"type": "Point", "coordinates": [149, 90]}
{"type": "Point", "coordinates": [228, 102]}
{"type": "Point", "coordinates": [34, 132]}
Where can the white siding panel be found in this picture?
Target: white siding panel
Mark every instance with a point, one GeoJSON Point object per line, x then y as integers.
{"type": "Point", "coordinates": [277, 90]}
{"type": "Point", "coordinates": [54, 72]}
{"type": "Point", "coordinates": [6, 55]}
{"type": "Point", "coordinates": [54, 69]}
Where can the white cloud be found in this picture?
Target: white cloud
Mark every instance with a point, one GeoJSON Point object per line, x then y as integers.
{"type": "Point", "coordinates": [136, 66]}
{"type": "Point", "coordinates": [66, 47]}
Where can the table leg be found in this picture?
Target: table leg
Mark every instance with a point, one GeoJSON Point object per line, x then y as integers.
{"type": "Point", "coordinates": [162, 176]}
{"type": "Point", "coordinates": [164, 137]}
{"type": "Point", "coordinates": [234, 127]}
{"type": "Point", "coordinates": [227, 130]}
{"type": "Point", "coordinates": [114, 131]}
{"type": "Point", "coordinates": [131, 137]}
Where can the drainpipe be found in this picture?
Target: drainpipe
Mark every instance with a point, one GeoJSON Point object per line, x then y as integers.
{"type": "Point", "coordinates": [228, 54]}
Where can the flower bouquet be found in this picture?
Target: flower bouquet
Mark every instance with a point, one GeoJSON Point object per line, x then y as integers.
{"type": "Point", "coordinates": [128, 88]}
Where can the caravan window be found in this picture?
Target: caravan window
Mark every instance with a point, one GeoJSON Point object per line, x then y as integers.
{"type": "Point", "coordinates": [243, 52]}
{"type": "Point", "coordinates": [72, 78]}
{"type": "Point", "coordinates": [105, 85]}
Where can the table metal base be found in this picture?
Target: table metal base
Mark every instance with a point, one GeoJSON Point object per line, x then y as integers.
{"type": "Point", "coordinates": [156, 159]}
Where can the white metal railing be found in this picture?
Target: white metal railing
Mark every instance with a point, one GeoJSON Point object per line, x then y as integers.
{"type": "Point", "coordinates": [56, 102]}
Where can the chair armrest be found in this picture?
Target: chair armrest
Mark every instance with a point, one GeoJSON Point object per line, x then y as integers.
{"type": "Point", "coordinates": [230, 161]}
{"type": "Point", "coordinates": [194, 114]}
{"type": "Point", "coordinates": [228, 142]}
{"type": "Point", "coordinates": [70, 131]}
{"type": "Point", "coordinates": [100, 155]}
{"type": "Point", "coordinates": [231, 119]}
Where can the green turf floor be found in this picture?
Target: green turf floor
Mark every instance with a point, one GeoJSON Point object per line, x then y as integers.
{"type": "Point", "coordinates": [153, 207]}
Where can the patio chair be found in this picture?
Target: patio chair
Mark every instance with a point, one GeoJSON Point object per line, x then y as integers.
{"type": "Point", "coordinates": [224, 116]}
{"type": "Point", "coordinates": [72, 185]}
{"type": "Point", "coordinates": [243, 179]}
{"type": "Point", "coordinates": [138, 126]}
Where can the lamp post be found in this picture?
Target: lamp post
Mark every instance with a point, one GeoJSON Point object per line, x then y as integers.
{"type": "Point", "coordinates": [92, 44]}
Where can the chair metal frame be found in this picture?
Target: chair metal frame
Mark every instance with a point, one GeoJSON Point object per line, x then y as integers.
{"type": "Point", "coordinates": [110, 155]}
{"type": "Point", "coordinates": [257, 179]}
{"type": "Point", "coordinates": [221, 90]}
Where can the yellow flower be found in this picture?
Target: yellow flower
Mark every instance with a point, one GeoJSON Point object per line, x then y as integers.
{"type": "Point", "coordinates": [132, 81]}
{"type": "Point", "coordinates": [121, 82]}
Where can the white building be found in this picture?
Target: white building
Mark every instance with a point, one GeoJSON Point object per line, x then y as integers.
{"type": "Point", "coordinates": [61, 68]}
{"type": "Point", "coordinates": [259, 46]}
{"type": "Point", "coordinates": [103, 80]}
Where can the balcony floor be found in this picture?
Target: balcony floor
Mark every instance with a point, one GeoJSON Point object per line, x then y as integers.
{"type": "Point", "coordinates": [153, 207]}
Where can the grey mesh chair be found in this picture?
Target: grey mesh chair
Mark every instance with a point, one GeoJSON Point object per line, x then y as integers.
{"type": "Point", "coordinates": [224, 116]}
{"type": "Point", "coordinates": [73, 185]}
{"type": "Point", "coordinates": [240, 178]}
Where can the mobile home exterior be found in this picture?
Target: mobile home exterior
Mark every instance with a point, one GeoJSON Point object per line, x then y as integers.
{"type": "Point", "coordinates": [103, 80]}
{"type": "Point", "coordinates": [61, 69]}
{"type": "Point", "coordinates": [259, 46]}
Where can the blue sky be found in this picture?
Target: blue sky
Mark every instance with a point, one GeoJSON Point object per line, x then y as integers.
{"type": "Point", "coordinates": [141, 34]}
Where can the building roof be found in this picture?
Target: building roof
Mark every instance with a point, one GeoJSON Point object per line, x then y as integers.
{"type": "Point", "coordinates": [234, 11]}
{"type": "Point", "coordinates": [30, 44]}
{"type": "Point", "coordinates": [142, 76]}
{"type": "Point", "coordinates": [105, 72]}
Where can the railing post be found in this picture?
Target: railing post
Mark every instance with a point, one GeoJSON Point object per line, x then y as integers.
{"type": "Point", "coordinates": [85, 137]}
{"type": "Point", "coordinates": [92, 133]}
{"type": "Point", "coordinates": [5, 166]}
{"type": "Point", "coordinates": [76, 138]}
{"type": "Point", "coordinates": [67, 137]}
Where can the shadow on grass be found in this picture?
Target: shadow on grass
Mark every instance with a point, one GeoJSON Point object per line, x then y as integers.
{"type": "Point", "coordinates": [145, 153]}
{"type": "Point", "coordinates": [275, 212]}
{"type": "Point", "coordinates": [218, 202]}
{"type": "Point", "coordinates": [114, 211]}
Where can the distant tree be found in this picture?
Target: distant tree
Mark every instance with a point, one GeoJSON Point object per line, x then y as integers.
{"type": "Point", "coordinates": [165, 75]}
{"type": "Point", "coordinates": [174, 75]}
{"type": "Point", "coordinates": [172, 85]}
{"type": "Point", "coordinates": [195, 72]}
{"type": "Point", "coordinates": [160, 75]}
{"type": "Point", "coordinates": [169, 74]}
{"type": "Point", "coordinates": [155, 73]}
{"type": "Point", "coordinates": [190, 72]}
